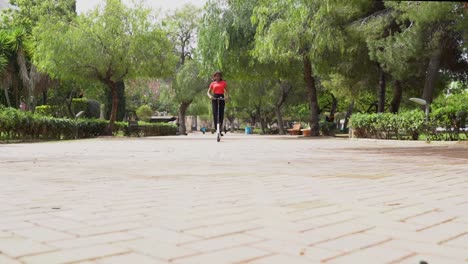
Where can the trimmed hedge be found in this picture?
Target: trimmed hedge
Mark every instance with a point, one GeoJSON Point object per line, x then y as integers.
{"type": "Point", "coordinates": [410, 125]}
{"type": "Point", "coordinates": [150, 130]}
{"type": "Point", "coordinates": [16, 124]}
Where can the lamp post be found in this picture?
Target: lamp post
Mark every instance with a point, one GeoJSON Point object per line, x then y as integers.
{"type": "Point", "coordinates": [76, 122]}
{"type": "Point", "coordinates": [423, 102]}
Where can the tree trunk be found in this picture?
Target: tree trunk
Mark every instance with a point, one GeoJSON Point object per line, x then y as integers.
{"type": "Point", "coordinates": [310, 84]}
{"type": "Point", "coordinates": [7, 97]}
{"type": "Point", "coordinates": [397, 95]}
{"type": "Point", "coordinates": [382, 91]}
{"type": "Point", "coordinates": [115, 103]}
{"type": "Point", "coordinates": [348, 115]}
{"type": "Point", "coordinates": [44, 98]}
{"type": "Point", "coordinates": [279, 117]}
{"type": "Point", "coordinates": [285, 88]}
{"type": "Point", "coordinates": [182, 113]}
{"type": "Point", "coordinates": [432, 74]}
{"type": "Point", "coordinates": [253, 119]}
{"type": "Point", "coordinates": [121, 111]}
{"type": "Point", "coordinates": [263, 125]}
{"type": "Point", "coordinates": [333, 109]}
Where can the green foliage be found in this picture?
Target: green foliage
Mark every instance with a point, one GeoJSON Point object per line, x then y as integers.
{"type": "Point", "coordinates": [189, 82]}
{"type": "Point", "coordinates": [413, 122]}
{"type": "Point", "coordinates": [144, 113]}
{"type": "Point", "coordinates": [27, 13]}
{"type": "Point", "coordinates": [89, 128]}
{"type": "Point", "coordinates": [112, 36]}
{"type": "Point", "coordinates": [451, 114]}
{"type": "Point", "coordinates": [15, 124]}
{"type": "Point", "coordinates": [79, 104]}
{"type": "Point", "coordinates": [158, 129]}
{"type": "Point", "coordinates": [327, 128]}
{"type": "Point", "coordinates": [91, 108]}
{"type": "Point", "coordinates": [146, 129]}
{"type": "Point", "coordinates": [111, 44]}
{"type": "Point", "coordinates": [182, 26]}
{"type": "Point", "coordinates": [447, 121]}
{"type": "Point", "coordinates": [47, 110]}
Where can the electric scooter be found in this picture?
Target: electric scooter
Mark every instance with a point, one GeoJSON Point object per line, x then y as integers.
{"type": "Point", "coordinates": [218, 128]}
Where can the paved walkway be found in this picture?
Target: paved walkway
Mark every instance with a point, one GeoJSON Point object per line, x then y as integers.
{"type": "Point", "coordinates": [248, 199]}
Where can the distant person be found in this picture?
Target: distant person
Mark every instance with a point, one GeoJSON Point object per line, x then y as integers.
{"type": "Point", "coordinates": [218, 89]}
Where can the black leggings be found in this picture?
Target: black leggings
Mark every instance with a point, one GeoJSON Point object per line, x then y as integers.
{"type": "Point", "coordinates": [214, 104]}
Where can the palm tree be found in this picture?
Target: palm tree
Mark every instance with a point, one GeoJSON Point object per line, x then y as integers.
{"type": "Point", "coordinates": [31, 79]}
{"type": "Point", "coordinates": [5, 53]}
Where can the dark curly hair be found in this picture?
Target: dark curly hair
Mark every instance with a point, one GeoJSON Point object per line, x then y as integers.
{"type": "Point", "coordinates": [217, 72]}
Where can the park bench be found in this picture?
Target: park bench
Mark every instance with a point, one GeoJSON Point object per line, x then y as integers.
{"type": "Point", "coordinates": [295, 130]}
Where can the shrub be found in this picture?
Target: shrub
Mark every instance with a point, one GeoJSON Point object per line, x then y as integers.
{"type": "Point", "coordinates": [151, 129]}
{"type": "Point", "coordinates": [144, 113]}
{"type": "Point", "coordinates": [47, 110]}
{"type": "Point", "coordinates": [412, 122]}
{"type": "Point", "coordinates": [79, 104]}
{"type": "Point", "coordinates": [449, 113]}
{"type": "Point", "coordinates": [327, 128]}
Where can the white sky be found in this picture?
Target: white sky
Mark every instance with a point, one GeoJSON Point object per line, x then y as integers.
{"type": "Point", "coordinates": [164, 5]}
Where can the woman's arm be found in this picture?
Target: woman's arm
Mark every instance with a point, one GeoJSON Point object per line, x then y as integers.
{"type": "Point", "coordinates": [209, 92]}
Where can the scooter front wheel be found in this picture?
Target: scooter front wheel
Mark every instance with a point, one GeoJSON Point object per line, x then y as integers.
{"type": "Point", "coordinates": [218, 137]}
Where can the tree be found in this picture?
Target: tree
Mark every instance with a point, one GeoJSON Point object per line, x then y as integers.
{"type": "Point", "coordinates": [301, 30]}
{"type": "Point", "coordinates": [229, 24]}
{"type": "Point", "coordinates": [111, 44]}
{"type": "Point", "coordinates": [6, 44]}
{"type": "Point", "coordinates": [188, 85]}
{"type": "Point", "coordinates": [182, 26]}
{"type": "Point", "coordinates": [426, 39]}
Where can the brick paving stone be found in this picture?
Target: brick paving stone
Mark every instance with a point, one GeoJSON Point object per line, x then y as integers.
{"type": "Point", "coordinates": [222, 242]}
{"type": "Point", "coordinates": [163, 251]}
{"type": "Point", "coordinates": [164, 235]}
{"type": "Point", "coordinates": [93, 240]}
{"type": "Point", "coordinates": [280, 259]}
{"type": "Point", "coordinates": [57, 223]}
{"type": "Point", "coordinates": [287, 236]}
{"type": "Point", "coordinates": [4, 234]}
{"type": "Point", "coordinates": [7, 260]}
{"type": "Point", "coordinates": [242, 200]}
{"type": "Point", "coordinates": [429, 259]}
{"type": "Point", "coordinates": [19, 246]}
{"type": "Point", "coordinates": [380, 254]}
{"type": "Point", "coordinates": [129, 258]}
{"type": "Point", "coordinates": [317, 254]}
{"type": "Point", "coordinates": [459, 241]}
{"type": "Point", "coordinates": [221, 230]}
{"type": "Point", "coordinates": [43, 234]}
{"type": "Point", "coordinates": [233, 255]}
{"type": "Point", "coordinates": [430, 248]}
{"type": "Point", "coordinates": [74, 255]}
{"type": "Point", "coordinates": [353, 242]}
{"type": "Point", "coordinates": [281, 247]}
{"type": "Point", "coordinates": [337, 231]}
{"type": "Point", "coordinates": [105, 229]}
